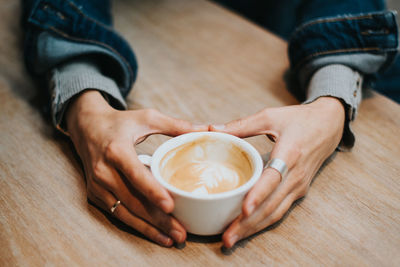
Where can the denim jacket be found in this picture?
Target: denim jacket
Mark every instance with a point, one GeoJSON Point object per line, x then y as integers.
{"type": "Point", "coordinates": [87, 26]}
{"type": "Point", "coordinates": [358, 34]}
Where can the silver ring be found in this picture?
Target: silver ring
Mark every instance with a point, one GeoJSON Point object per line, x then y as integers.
{"type": "Point", "coordinates": [116, 204]}
{"type": "Point", "coordinates": [278, 165]}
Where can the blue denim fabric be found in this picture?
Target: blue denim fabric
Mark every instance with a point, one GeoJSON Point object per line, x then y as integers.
{"type": "Point", "coordinates": [356, 33]}
{"type": "Point", "coordinates": [77, 21]}
{"type": "Point", "coordinates": [322, 31]}
{"type": "Point", "coordinates": [374, 33]}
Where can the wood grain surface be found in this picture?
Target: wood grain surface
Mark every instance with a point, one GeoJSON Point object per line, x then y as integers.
{"type": "Point", "coordinates": [202, 63]}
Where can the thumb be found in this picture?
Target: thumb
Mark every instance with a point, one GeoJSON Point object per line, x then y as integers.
{"type": "Point", "coordinates": [172, 126]}
{"type": "Point", "coordinates": [256, 124]}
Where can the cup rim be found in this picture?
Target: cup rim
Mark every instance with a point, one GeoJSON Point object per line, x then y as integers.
{"type": "Point", "coordinates": [188, 137]}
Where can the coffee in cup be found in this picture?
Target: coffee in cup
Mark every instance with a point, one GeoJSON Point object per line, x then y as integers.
{"type": "Point", "coordinates": [206, 166]}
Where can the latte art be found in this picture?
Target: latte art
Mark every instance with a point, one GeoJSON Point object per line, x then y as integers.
{"type": "Point", "coordinates": [206, 166]}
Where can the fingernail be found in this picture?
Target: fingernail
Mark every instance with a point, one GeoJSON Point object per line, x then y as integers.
{"type": "Point", "coordinates": [180, 245]}
{"type": "Point", "coordinates": [177, 236]}
{"type": "Point", "coordinates": [226, 251]}
{"type": "Point", "coordinates": [219, 127]}
{"type": "Point", "coordinates": [164, 240]}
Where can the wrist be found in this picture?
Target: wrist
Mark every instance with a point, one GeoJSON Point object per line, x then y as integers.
{"type": "Point", "coordinates": [330, 104]}
{"type": "Point", "coordinates": [333, 111]}
{"type": "Point", "coordinates": [83, 106]}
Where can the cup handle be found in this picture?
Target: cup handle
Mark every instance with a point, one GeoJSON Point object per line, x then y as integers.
{"type": "Point", "coordinates": [145, 159]}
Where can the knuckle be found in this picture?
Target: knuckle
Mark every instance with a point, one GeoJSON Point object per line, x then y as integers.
{"type": "Point", "coordinates": [112, 150]}
{"type": "Point", "coordinates": [98, 171]}
{"type": "Point", "coordinates": [102, 177]}
{"type": "Point", "coordinates": [99, 175]}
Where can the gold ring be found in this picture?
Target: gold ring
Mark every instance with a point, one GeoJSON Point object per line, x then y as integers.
{"type": "Point", "coordinates": [115, 206]}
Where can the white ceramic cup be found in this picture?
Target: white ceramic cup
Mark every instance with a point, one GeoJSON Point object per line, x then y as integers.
{"type": "Point", "coordinates": [205, 214]}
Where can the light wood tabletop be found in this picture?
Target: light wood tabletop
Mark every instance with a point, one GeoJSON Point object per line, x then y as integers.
{"type": "Point", "coordinates": [199, 62]}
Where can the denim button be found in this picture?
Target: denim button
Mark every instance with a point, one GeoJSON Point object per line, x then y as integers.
{"type": "Point", "coordinates": [355, 93]}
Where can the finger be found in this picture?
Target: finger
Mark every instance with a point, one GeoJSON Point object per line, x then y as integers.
{"type": "Point", "coordinates": [264, 199]}
{"type": "Point", "coordinates": [279, 212]}
{"type": "Point", "coordinates": [252, 125]}
{"type": "Point", "coordinates": [107, 200]}
{"type": "Point", "coordinates": [172, 126]}
{"type": "Point", "coordinates": [231, 235]}
{"type": "Point", "coordinates": [244, 227]}
{"type": "Point", "coordinates": [291, 184]}
{"type": "Point", "coordinates": [143, 227]}
{"type": "Point", "coordinates": [142, 208]}
{"type": "Point", "coordinates": [125, 160]}
{"type": "Point", "coordinates": [271, 208]}
{"type": "Point", "coordinates": [138, 205]}
{"type": "Point", "coordinates": [271, 178]}
{"type": "Point", "coordinates": [267, 183]}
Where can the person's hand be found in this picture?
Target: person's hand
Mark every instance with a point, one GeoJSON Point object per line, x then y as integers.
{"type": "Point", "coordinates": [104, 139]}
{"type": "Point", "coordinates": [305, 136]}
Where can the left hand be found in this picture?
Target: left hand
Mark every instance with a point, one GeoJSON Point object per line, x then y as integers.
{"type": "Point", "coordinates": [305, 136]}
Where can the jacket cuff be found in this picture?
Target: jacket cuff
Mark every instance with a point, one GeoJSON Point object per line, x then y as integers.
{"type": "Point", "coordinates": [367, 43]}
{"type": "Point", "coordinates": [71, 78]}
{"type": "Point", "coordinates": [372, 33]}
{"type": "Point", "coordinates": [343, 83]}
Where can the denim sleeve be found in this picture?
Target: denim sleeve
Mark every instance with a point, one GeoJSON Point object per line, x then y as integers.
{"type": "Point", "coordinates": [336, 45]}
{"type": "Point", "coordinates": [58, 31]}
{"type": "Point", "coordinates": [357, 33]}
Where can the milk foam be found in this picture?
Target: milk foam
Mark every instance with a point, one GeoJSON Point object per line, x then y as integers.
{"type": "Point", "coordinates": [206, 166]}
{"type": "Point", "coordinates": [213, 174]}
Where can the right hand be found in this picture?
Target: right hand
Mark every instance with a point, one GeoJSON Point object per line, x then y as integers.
{"type": "Point", "coordinates": [104, 138]}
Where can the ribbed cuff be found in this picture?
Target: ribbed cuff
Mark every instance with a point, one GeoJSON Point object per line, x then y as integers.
{"type": "Point", "coordinates": [343, 83]}
{"type": "Point", "coordinates": [74, 77]}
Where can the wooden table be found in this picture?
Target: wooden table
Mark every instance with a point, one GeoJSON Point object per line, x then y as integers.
{"type": "Point", "coordinates": [201, 63]}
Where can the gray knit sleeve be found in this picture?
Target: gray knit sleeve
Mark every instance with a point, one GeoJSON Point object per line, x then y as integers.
{"type": "Point", "coordinates": [343, 83]}
{"type": "Point", "coordinates": [71, 78]}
